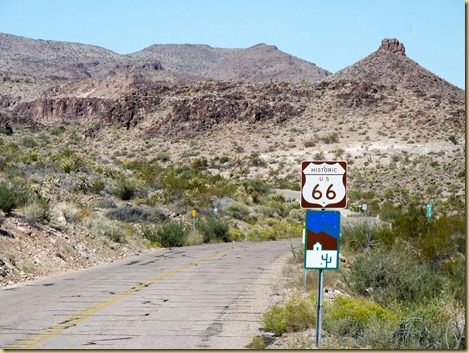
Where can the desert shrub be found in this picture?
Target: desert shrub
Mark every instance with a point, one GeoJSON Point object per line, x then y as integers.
{"type": "Point", "coordinates": [37, 211]}
{"type": "Point", "coordinates": [363, 235]}
{"type": "Point", "coordinates": [137, 214]}
{"type": "Point", "coordinates": [444, 237]}
{"type": "Point", "coordinates": [388, 213]}
{"type": "Point", "coordinates": [99, 226]}
{"type": "Point", "coordinates": [331, 138]}
{"type": "Point", "coordinates": [163, 156]}
{"type": "Point", "coordinates": [455, 270]}
{"type": "Point", "coordinates": [125, 189]}
{"type": "Point", "coordinates": [274, 205]}
{"type": "Point", "coordinates": [72, 163]}
{"type": "Point", "coordinates": [258, 233]}
{"type": "Point", "coordinates": [106, 203]}
{"type": "Point", "coordinates": [214, 229]}
{"type": "Point", "coordinates": [28, 142]}
{"type": "Point", "coordinates": [350, 316]}
{"type": "Point", "coordinates": [12, 196]}
{"type": "Point", "coordinates": [395, 273]}
{"type": "Point", "coordinates": [239, 211]}
{"type": "Point", "coordinates": [438, 323]}
{"type": "Point", "coordinates": [195, 238]}
{"type": "Point", "coordinates": [7, 198]}
{"type": "Point", "coordinates": [412, 224]}
{"type": "Point", "coordinates": [97, 185]}
{"type": "Point", "coordinates": [297, 314]}
{"type": "Point", "coordinates": [58, 130]}
{"type": "Point", "coordinates": [297, 214]}
{"type": "Point", "coordinates": [236, 235]}
{"type": "Point", "coordinates": [255, 184]}
{"type": "Point", "coordinates": [169, 234]}
{"type": "Point", "coordinates": [256, 343]}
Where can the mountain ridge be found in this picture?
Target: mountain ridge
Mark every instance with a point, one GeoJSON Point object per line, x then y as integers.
{"type": "Point", "coordinates": [46, 58]}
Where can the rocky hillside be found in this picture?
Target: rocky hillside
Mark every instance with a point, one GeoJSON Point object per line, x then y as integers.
{"type": "Point", "coordinates": [260, 63]}
{"type": "Point", "coordinates": [46, 58]}
{"type": "Point", "coordinates": [389, 66]}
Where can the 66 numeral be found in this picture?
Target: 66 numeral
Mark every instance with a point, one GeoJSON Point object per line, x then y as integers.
{"type": "Point", "coordinates": [330, 194]}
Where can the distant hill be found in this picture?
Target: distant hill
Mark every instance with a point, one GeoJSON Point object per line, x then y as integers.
{"type": "Point", "coordinates": [47, 58]}
{"type": "Point", "coordinates": [260, 63]}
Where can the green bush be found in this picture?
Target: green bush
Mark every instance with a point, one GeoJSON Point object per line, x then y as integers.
{"type": "Point", "coordinates": [115, 231]}
{"type": "Point", "coordinates": [172, 234]}
{"type": "Point", "coordinates": [28, 142]}
{"type": "Point", "coordinates": [125, 189]}
{"type": "Point", "coordinates": [8, 199]}
{"type": "Point", "coordinates": [297, 314]}
{"type": "Point", "coordinates": [350, 317]}
{"type": "Point", "coordinates": [214, 229]}
{"type": "Point", "coordinates": [432, 324]}
{"type": "Point", "coordinates": [71, 164]}
{"type": "Point", "coordinates": [239, 210]}
{"type": "Point", "coordinates": [362, 235]}
{"type": "Point", "coordinates": [394, 273]}
{"type": "Point", "coordinates": [57, 130]}
{"type": "Point", "coordinates": [37, 211]}
{"type": "Point", "coordinates": [12, 196]}
{"type": "Point", "coordinates": [389, 213]}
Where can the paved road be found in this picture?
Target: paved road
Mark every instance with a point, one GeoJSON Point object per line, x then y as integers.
{"type": "Point", "coordinates": [201, 297]}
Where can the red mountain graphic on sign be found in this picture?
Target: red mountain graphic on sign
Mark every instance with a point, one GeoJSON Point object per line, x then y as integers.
{"type": "Point", "coordinates": [327, 241]}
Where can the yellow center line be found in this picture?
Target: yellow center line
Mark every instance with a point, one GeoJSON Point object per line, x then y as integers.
{"type": "Point", "coordinates": [78, 317]}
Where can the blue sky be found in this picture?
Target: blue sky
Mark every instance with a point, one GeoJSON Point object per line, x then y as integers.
{"type": "Point", "coordinates": [333, 34]}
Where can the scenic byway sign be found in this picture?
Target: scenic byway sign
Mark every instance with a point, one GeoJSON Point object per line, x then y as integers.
{"type": "Point", "coordinates": [322, 240]}
{"type": "Point", "coordinates": [323, 184]}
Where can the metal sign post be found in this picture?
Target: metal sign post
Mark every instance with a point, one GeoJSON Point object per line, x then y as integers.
{"type": "Point", "coordinates": [319, 308]}
{"type": "Point", "coordinates": [323, 185]}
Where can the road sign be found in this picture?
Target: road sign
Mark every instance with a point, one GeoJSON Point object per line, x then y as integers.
{"type": "Point", "coordinates": [322, 241]}
{"type": "Point", "coordinates": [429, 210]}
{"type": "Point", "coordinates": [323, 184]}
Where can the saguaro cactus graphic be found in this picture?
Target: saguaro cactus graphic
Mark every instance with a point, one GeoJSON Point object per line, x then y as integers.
{"type": "Point", "coordinates": [326, 258]}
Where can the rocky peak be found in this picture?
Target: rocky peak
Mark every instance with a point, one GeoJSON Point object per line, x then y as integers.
{"type": "Point", "coordinates": [392, 45]}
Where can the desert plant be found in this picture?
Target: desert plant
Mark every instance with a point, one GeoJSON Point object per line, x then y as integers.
{"type": "Point", "coordinates": [37, 211]}
{"type": "Point", "coordinates": [297, 314]}
{"type": "Point", "coordinates": [214, 229]}
{"type": "Point", "coordinates": [350, 316]}
{"type": "Point", "coordinates": [125, 189]}
{"type": "Point", "coordinates": [7, 198]}
{"type": "Point", "coordinates": [395, 273]}
{"type": "Point", "coordinates": [169, 234]}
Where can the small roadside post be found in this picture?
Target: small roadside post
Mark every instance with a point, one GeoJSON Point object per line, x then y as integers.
{"type": "Point", "coordinates": [323, 185]}
{"type": "Point", "coordinates": [194, 214]}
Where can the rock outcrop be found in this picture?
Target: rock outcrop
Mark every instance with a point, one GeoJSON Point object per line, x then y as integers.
{"type": "Point", "coordinates": [392, 45]}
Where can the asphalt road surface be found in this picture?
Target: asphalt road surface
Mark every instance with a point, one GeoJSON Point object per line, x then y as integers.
{"type": "Point", "coordinates": [200, 297]}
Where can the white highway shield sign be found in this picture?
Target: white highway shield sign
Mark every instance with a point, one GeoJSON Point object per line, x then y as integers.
{"type": "Point", "coordinates": [323, 184]}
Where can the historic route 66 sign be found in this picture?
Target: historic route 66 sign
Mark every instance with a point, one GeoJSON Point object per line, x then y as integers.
{"type": "Point", "coordinates": [323, 184]}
